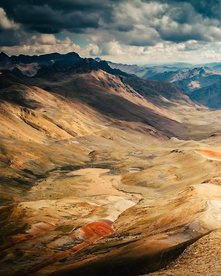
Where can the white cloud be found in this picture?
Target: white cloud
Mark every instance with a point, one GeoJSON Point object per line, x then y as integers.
{"type": "Point", "coordinates": [5, 23]}
{"type": "Point", "coordinates": [48, 43]}
{"type": "Point", "coordinates": [90, 50]}
{"type": "Point", "coordinates": [44, 39]}
{"type": "Point", "coordinates": [166, 52]}
{"type": "Point", "coordinates": [42, 44]}
{"type": "Point", "coordinates": [112, 48]}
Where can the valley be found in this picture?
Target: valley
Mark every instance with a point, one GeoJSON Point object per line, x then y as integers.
{"type": "Point", "coordinates": [105, 173]}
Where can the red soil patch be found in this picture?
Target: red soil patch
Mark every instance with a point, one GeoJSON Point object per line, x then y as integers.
{"type": "Point", "coordinates": [210, 153]}
{"type": "Point", "coordinates": [94, 231]}
{"type": "Point", "coordinates": [97, 229]}
{"type": "Point", "coordinates": [91, 232]}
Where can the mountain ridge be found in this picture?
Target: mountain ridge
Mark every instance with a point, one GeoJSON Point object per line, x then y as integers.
{"type": "Point", "coordinates": [41, 63]}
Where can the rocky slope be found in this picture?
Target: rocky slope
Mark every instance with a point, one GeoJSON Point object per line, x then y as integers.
{"type": "Point", "coordinates": [201, 258]}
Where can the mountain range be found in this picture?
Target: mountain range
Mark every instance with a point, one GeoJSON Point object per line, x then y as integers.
{"type": "Point", "coordinates": [195, 81]}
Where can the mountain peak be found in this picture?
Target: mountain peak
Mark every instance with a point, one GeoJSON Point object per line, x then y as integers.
{"type": "Point", "coordinates": [72, 54]}
{"type": "Point", "coordinates": [3, 56]}
{"type": "Point", "coordinates": [97, 59]}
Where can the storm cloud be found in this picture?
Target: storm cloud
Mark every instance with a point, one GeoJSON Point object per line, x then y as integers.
{"type": "Point", "coordinates": [97, 26]}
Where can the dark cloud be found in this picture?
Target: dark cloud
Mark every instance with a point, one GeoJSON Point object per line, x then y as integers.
{"type": "Point", "coordinates": [53, 16]}
{"type": "Point", "coordinates": [207, 8]}
{"type": "Point", "coordinates": [9, 38]}
{"type": "Point", "coordinates": [136, 23]}
{"type": "Point", "coordinates": [46, 20]}
{"type": "Point", "coordinates": [179, 35]}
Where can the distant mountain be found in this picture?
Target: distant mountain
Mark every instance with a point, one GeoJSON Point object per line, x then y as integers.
{"type": "Point", "coordinates": [4, 61]}
{"type": "Point", "coordinates": [189, 80]}
{"type": "Point", "coordinates": [179, 75]}
{"type": "Point", "coordinates": [202, 84]}
{"type": "Point", "coordinates": [147, 71]}
{"type": "Point", "coordinates": [186, 76]}
{"type": "Point", "coordinates": [139, 71]}
{"type": "Point", "coordinates": [159, 93]}
{"type": "Point", "coordinates": [29, 65]}
{"type": "Point", "coordinates": [46, 59]}
{"type": "Point", "coordinates": [209, 96]}
{"type": "Point", "coordinates": [50, 63]}
{"type": "Point", "coordinates": [215, 66]}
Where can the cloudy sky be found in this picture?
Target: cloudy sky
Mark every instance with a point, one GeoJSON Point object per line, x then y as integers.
{"type": "Point", "coordinates": [128, 31]}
